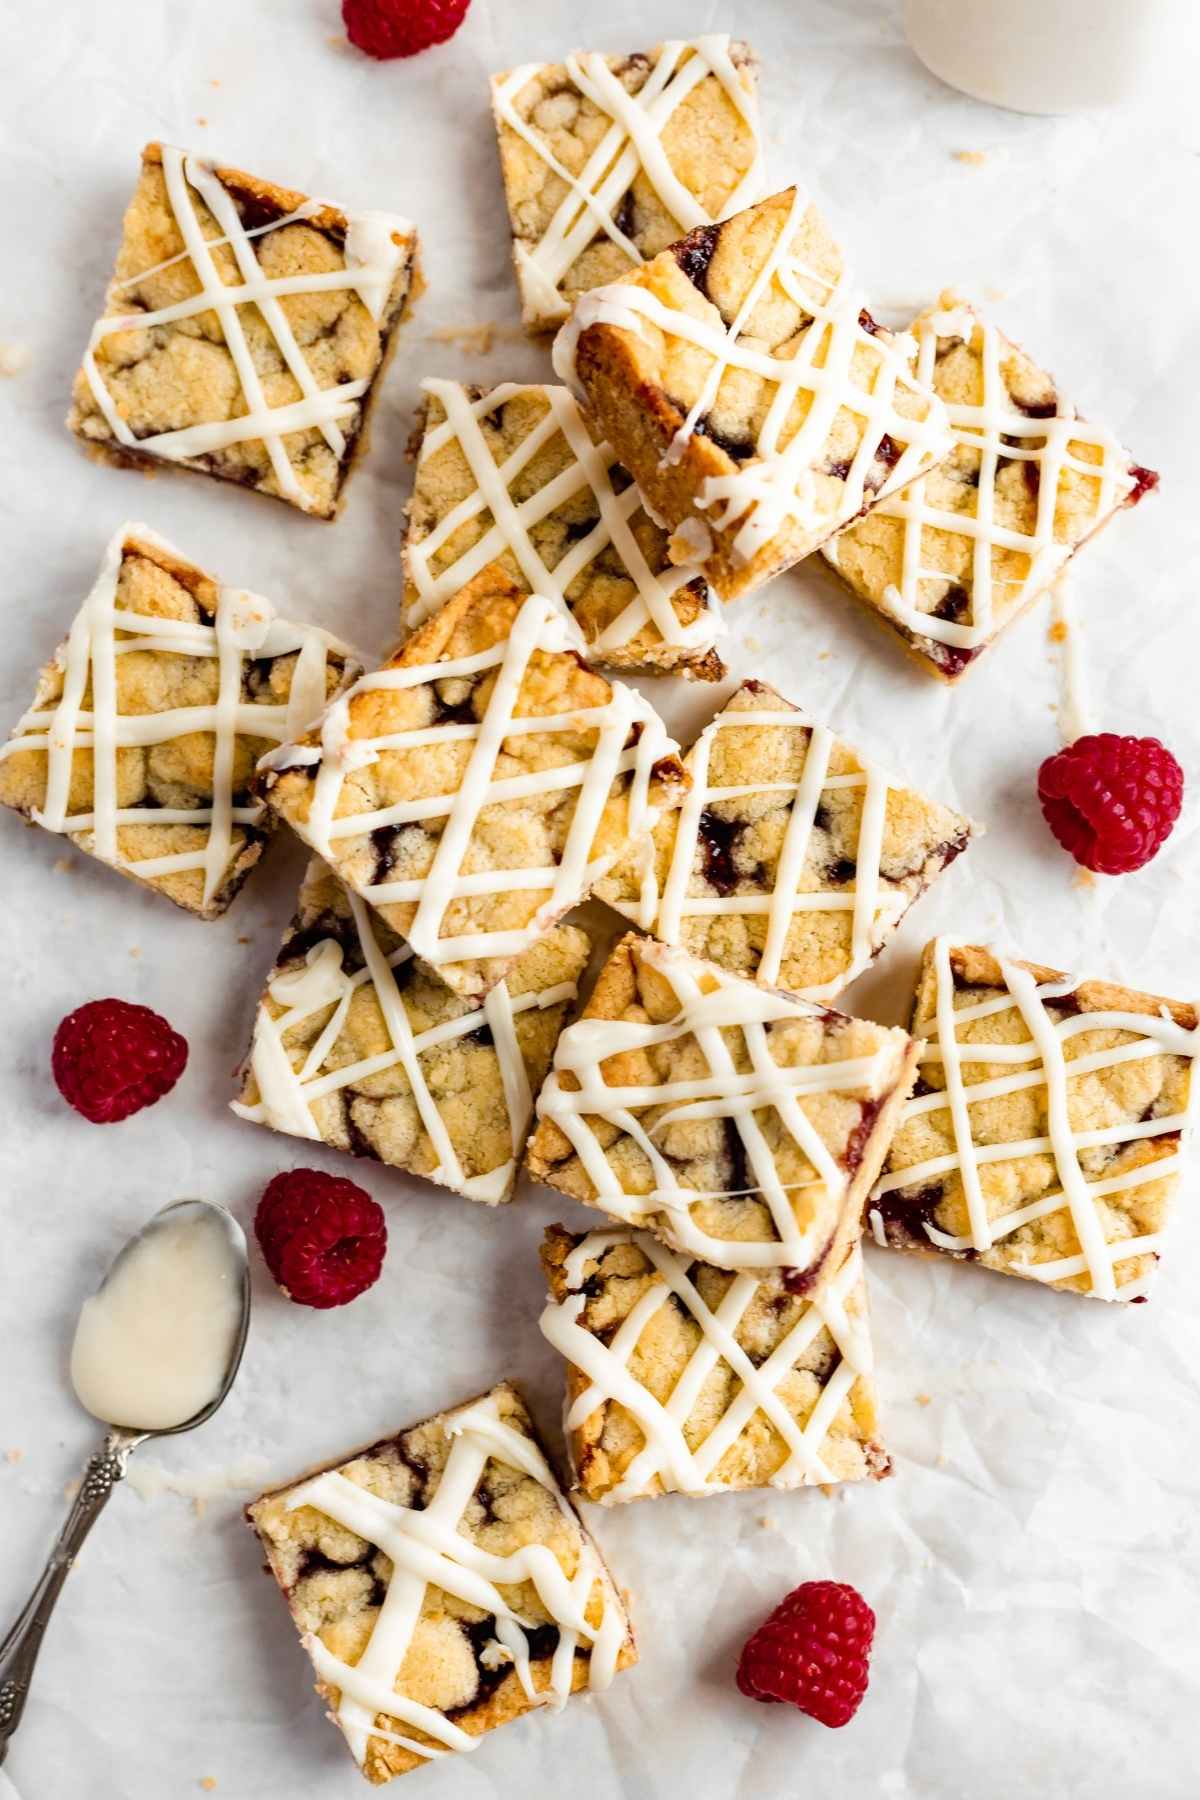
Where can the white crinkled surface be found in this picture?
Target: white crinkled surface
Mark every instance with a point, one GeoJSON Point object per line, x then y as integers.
{"type": "Point", "coordinates": [1034, 1563]}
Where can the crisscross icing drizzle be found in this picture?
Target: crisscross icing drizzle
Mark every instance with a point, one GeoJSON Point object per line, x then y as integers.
{"type": "Point", "coordinates": [874, 907]}
{"type": "Point", "coordinates": [629, 739]}
{"type": "Point", "coordinates": [376, 246]}
{"type": "Point", "coordinates": [631, 144]}
{"type": "Point", "coordinates": [666, 1452]}
{"type": "Point", "coordinates": [1049, 447]}
{"type": "Point", "coordinates": [1040, 1062]}
{"type": "Point", "coordinates": [288, 1088]}
{"type": "Point", "coordinates": [706, 1015]}
{"type": "Point", "coordinates": [811, 373]}
{"type": "Point", "coordinates": [426, 1548]}
{"type": "Point", "coordinates": [590, 469]}
{"type": "Point", "coordinates": [244, 629]}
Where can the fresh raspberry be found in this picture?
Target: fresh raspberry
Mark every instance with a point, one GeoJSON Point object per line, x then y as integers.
{"type": "Point", "coordinates": [111, 1058]}
{"type": "Point", "coordinates": [812, 1652]}
{"type": "Point", "coordinates": [322, 1237]}
{"type": "Point", "coordinates": [386, 28]}
{"type": "Point", "coordinates": [1111, 801]}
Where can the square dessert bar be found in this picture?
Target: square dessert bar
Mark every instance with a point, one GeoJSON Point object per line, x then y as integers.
{"type": "Point", "coordinates": [1044, 1136]}
{"type": "Point", "coordinates": [358, 1046]}
{"type": "Point", "coordinates": [513, 474]}
{"type": "Point", "coordinates": [952, 560]}
{"type": "Point", "coordinates": [791, 861]}
{"type": "Point", "coordinates": [244, 331]}
{"type": "Point", "coordinates": [479, 784]}
{"type": "Point", "coordinates": [443, 1585]}
{"type": "Point", "coordinates": [608, 159]}
{"type": "Point", "coordinates": [687, 1379]}
{"type": "Point", "coordinates": [145, 729]}
{"type": "Point", "coordinates": [755, 401]}
{"type": "Point", "coordinates": [736, 1123]}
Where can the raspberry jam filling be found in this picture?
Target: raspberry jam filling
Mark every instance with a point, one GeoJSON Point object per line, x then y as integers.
{"type": "Point", "coordinates": [695, 252]}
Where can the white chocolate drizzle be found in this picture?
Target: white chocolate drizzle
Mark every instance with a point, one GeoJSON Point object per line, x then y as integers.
{"type": "Point", "coordinates": [427, 1549]}
{"type": "Point", "coordinates": [629, 740]}
{"type": "Point", "coordinates": [244, 628]}
{"type": "Point", "coordinates": [376, 248]}
{"type": "Point", "coordinates": [778, 486]}
{"type": "Point", "coordinates": [875, 908]}
{"type": "Point", "coordinates": [632, 144]}
{"type": "Point", "coordinates": [666, 1453]}
{"type": "Point", "coordinates": [1040, 1062]}
{"type": "Point", "coordinates": [289, 1085]}
{"type": "Point", "coordinates": [768, 1087]}
{"type": "Point", "coordinates": [590, 468]}
{"type": "Point", "coordinates": [1001, 433]}
{"type": "Point", "coordinates": [1075, 716]}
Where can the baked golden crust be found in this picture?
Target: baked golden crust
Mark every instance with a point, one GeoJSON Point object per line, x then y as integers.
{"type": "Point", "coordinates": [174, 771]}
{"type": "Point", "coordinates": [335, 1581]}
{"type": "Point", "coordinates": [524, 832]}
{"type": "Point", "coordinates": [642, 383]}
{"type": "Point", "coordinates": [182, 373]}
{"type": "Point", "coordinates": [916, 557]}
{"type": "Point", "coordinates": [616, 1277]}
{"type": "Point", "coordinates": [499, 424]}
{"type": "Point", "coordinates": [1127, 1160]}
{"type": "Point", "coordinates": [730, 1220]}
{"type": "Point", "coordinates": [359, 1096]}
{"type": "Point", "coordinates": [733, 850]}
{"type": "Point", "coordinates": [710, 147]}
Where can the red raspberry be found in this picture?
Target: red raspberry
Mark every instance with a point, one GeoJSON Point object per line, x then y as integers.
{"type": "Point", "coordinates": [111, 1058]}
{"type": "Point", "coordinates": [812, 1652]}
{"type": "Point", "coordinates": [387, 28]}
{"type": "Point", "coordinates": [322, 1237]}
{"type": "Point", "coordinates": [1111, 801]}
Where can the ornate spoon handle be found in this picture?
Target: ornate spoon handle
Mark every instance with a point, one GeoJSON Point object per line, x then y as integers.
{"type": "Point", "coordinates": [19, 1650]}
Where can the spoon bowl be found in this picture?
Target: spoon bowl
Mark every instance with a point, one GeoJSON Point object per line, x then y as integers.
{"type": "Point", "coordinates": [133, 1316]}
{"type": "Point", "coordinates": [181, 1211]}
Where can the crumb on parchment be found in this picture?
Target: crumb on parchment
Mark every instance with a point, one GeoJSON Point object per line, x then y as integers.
{"type": "Point", "coordinates": [14, 358]}
{"type": "Point", "coordinates": [476, 340]}
{"type": "Point", "coordinates": [974, 159]}
{"type": "Point", "coordinates": [1058, 632]}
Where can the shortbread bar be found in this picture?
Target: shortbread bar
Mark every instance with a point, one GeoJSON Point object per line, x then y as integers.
{"type": "Point", "coordinates": [443, 1585]}
{"type": "Point", "coordinates": [687, 1379]}
{"type": "Point", "coordinates": [358, 1046]}
{"type": "Point", "coordinates": [142, 739]}
{"type": "Point", "coordinates": [608, 159]}
{"type": "Point", "coordinates": [1044, 1137]}
{"type": "Point", "coordinates": [479, 784]}
{"type": "Point", "coordinates": [952, 560]}
{"type": "Point", "coordinates": [753, 398]}
{"type": "Point", "coordinates": [739, 1124]}
{"type": "Point", "coordinates": [791, 861]}
{"type": "Point", "coordinates": [513, 474]}
{"type": "Point", "coordinates": [245, 331]}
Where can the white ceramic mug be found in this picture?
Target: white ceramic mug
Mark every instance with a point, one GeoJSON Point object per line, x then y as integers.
{"type": "Point", "coordinates": [1045, 56]}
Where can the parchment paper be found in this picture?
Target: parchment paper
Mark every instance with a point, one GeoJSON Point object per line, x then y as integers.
{"type": "Point", "coordinates": [1034, 1563]}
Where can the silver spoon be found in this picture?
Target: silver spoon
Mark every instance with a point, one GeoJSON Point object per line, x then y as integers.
{"type": "Point", "coordinates": [19, 1650]}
